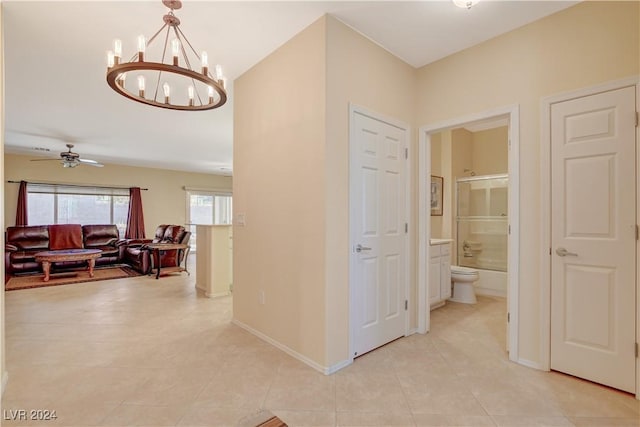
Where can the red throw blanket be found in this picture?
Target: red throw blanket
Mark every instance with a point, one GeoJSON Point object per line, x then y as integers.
{"type": "Point", "coordinates": [65, 236]}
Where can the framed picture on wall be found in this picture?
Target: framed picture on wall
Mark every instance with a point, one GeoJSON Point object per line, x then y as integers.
{"type": "Point", "coordinates": [436, 195]}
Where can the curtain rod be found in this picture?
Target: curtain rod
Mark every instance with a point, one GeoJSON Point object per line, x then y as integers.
{"type": "Point", "coordinates": [73, 185]}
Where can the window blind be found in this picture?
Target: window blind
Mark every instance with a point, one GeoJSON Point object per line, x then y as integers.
{"type": "Point", "coordinates": [81, 190]}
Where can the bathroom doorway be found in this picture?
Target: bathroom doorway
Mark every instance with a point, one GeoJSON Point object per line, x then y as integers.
{"type": "Point", "coordinates": [447, 150]}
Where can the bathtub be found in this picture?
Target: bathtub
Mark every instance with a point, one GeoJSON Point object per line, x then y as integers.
{"type": "Point", "coordinates": [490, 282]}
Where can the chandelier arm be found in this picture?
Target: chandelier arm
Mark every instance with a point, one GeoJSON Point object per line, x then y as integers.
{"type": "Point", "coordinates": [196, 91]}
{"type": "Point", "coordinates": [164, 54]}
{"type": "Point", "coordinates": [189, 43]}
{"type": "Point", "coordinates": [153, 37]}
{"type": "Point", "coordinates": [179, 33]}
{"type": "Point", "coordinates": [135, 55]}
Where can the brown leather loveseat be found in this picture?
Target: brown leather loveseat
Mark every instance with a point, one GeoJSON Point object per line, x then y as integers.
{"type": "Point", "coordinates": [22, 243]}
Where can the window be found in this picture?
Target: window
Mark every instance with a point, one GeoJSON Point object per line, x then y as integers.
{"type": "Point", "coordinates": [207, 208]}
{"type": "Point", "coordinates": [68, 204]}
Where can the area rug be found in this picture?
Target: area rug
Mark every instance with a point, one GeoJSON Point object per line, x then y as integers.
{"type": "Point", "coordinates": [35, 281]}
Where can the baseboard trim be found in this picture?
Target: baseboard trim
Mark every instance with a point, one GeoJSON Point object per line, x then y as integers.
{"type": "Point", "coordinates": [335, 368]}
{"type": "Point", "coordinates": [491, 292]}
{"type": "Point", "coordinates": [5, 380]}
{"type": "Point", "coordinates": [531, 364]}
{"type": "Point", "coordinates": [217, 295]}
{"type": "Point", "coordinates": [326, 370]}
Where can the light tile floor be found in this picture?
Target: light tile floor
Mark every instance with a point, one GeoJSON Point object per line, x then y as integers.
{"type": "Point", "coordinates": [155, 353]}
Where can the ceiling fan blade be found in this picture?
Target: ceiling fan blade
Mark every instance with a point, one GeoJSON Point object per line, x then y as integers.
{"type": "Point", "coordinates": [90, 162]}
{"type": "Point", "coordinates": [42, 160]}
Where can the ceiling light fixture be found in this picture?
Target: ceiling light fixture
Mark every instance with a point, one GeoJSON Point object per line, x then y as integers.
{"type": "Point", "coordinates": [174, 86]}
{"type": "Point", "coordinates": [465, 4]}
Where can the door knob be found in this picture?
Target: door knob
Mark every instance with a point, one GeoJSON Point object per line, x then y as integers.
{"type": "Point", "coordinates": [360, 248]}
{"type": "Point", "coordinates": [564, 252]}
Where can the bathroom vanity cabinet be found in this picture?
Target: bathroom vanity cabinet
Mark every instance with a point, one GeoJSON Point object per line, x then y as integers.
{"type": "Point", "coordinates": [439, 272]}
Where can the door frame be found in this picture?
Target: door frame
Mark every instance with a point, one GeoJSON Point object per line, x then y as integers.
{"type": "Point", "coordinates": [424, 224]}
{"type": "Point", "coordinates": [545, 211]}
{"type": "Point", "coordinates": [357, 109]}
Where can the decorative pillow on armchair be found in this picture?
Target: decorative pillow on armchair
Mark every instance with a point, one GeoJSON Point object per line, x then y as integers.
{"type": "Point", "coordinates": [173, 234]}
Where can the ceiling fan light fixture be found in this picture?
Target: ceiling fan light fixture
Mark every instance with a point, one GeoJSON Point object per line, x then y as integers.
{"type": "Point", "coordinates": [465, 4]}
{"type": "Point", "coordinates": [204, 91]}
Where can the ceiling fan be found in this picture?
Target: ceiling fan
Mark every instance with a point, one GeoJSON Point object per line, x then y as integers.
{"type": "Point", "coordinates": [69, 159]}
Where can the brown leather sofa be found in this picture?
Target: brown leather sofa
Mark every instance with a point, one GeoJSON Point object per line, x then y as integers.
{"type": "Point", "coordinates": [139, 257]}
{"type": "Point", "coordinates": [22, 243]}
{"type": "Point", "coordinates": [107, 239]}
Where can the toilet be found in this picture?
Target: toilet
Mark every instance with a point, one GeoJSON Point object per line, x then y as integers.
{"type": "Point", "coordinates": [463, 279]}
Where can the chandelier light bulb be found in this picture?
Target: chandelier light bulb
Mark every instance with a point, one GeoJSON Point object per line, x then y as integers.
{"type": "Point", "coordinates": [167, 91]}
{"type": "Point", "coordinates": [175, 49]}
{"type": "Point", "coordinates": [121, 78]}
{"type": "Point", "coordinates": [117, 48]}
{"type": "Point", "coordinates": [218, 72]}
{"type": "Point", "coordinates": [110, 59]}
{"type": "Point", "coordinates": [142, 46]}
{"type": "Point", "coordinates": [223, 82]}
{"type": "Point", "coordinates": [141, 86]}
{"type": "Point", "coordinates": [210, 93]}
{"type": "Point", "coordinates": [205, 63]}
{"type": "Point", "coordinates": [191, 92]}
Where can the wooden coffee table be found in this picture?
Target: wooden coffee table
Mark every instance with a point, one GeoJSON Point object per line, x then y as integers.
{"type": "Point", "coordinates": [49, 257]}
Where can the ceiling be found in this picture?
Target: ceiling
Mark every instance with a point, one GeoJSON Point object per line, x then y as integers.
{"type": "Point", "coordinates": [55, 64]}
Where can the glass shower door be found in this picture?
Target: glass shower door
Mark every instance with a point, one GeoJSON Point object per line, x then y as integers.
{"type": "Point", "coordinates": [482, 222]}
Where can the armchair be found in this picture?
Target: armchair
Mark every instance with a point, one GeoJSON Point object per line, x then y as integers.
{"type": "Point", "coordinates": [139, 257]}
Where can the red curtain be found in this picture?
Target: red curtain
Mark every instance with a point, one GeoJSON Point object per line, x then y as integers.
{"type": "Point", "coordinates": [135, 219]}
{"type": "Point", "coordinates": [21, 211]}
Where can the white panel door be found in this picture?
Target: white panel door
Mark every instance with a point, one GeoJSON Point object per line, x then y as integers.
{"type": "Point", "coordinates": [378, 232]}
{"type": "Point", "coordinates": [593, 237]}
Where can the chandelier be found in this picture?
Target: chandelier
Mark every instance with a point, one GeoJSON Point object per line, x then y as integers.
{"type": "Point", "coordinates": [173, 83]}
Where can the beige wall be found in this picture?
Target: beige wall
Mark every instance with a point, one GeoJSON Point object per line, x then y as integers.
{"type": "Point", "coordinates": [587, 44]}
{"type": "Point", "coordinates": [362, 73]}
{"type": "Point", "coordinates": [279, 185]}
{"type": "Point", "coordinates": [490, 151]}
{"type": "Point", "coordinates": [295, 245]}
{"type": "Point", "coordinates": [163, 203]}
{"type": "Point", "coordinates": [462, 157]}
